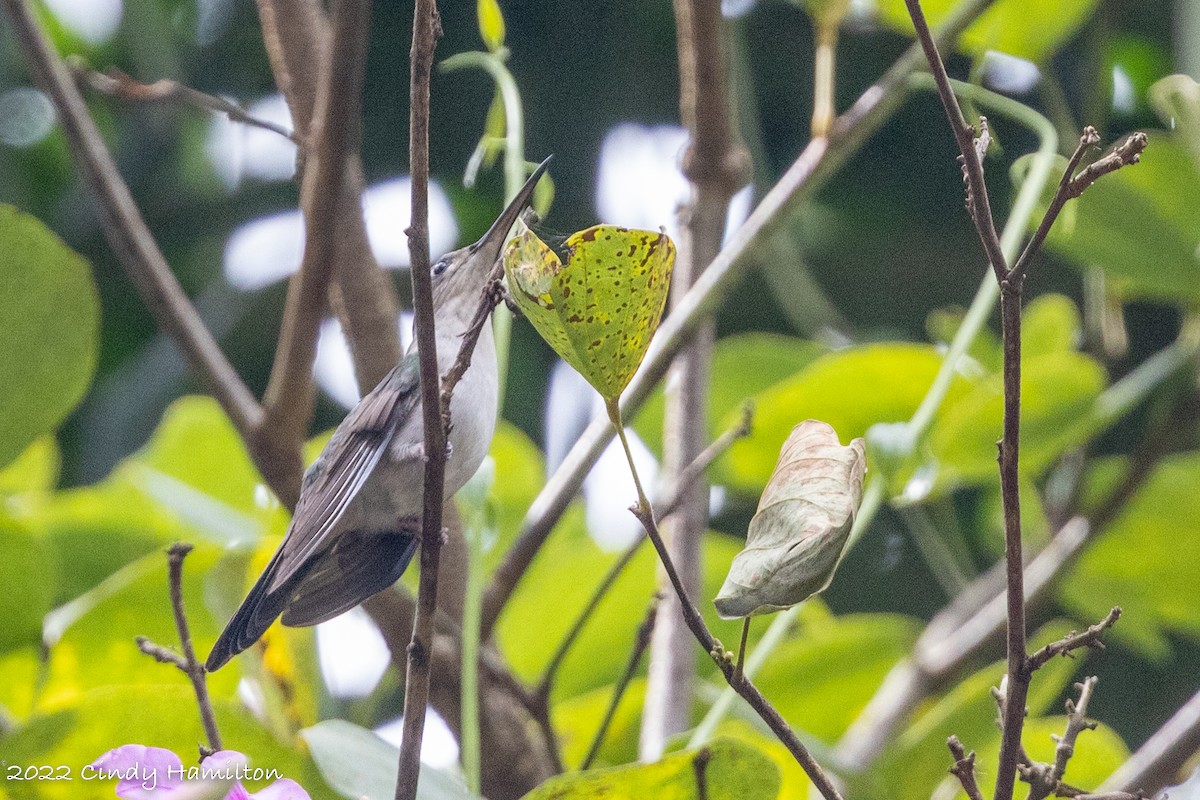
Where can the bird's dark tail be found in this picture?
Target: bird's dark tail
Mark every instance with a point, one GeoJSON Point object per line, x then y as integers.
{"type": "Point", "coordinates": [359, 565]}
{"type": "Point", "coordinates": [253, 617]}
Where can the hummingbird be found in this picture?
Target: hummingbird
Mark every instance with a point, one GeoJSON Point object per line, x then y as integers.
{"type": "Point", "coordinates": [357, 523]}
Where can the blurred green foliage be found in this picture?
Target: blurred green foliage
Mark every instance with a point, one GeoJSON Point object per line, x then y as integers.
{"type": "Point", "coordinates": [107, 456]}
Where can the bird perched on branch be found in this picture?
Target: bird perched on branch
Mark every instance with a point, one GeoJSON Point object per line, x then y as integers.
{"type": "Point", "coordinates": [357, 522]}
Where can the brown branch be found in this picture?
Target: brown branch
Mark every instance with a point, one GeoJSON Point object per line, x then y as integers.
{"type": "Point", "coordinates": [186, 663]}
{"type": "Point", "coordinates": [1011, 284]}
{"type": "Point", "coordinates": [1072, 185]}
{"type": "Point", "coordinates": [1074, 641]}
{"type": "Point", "coordinates": [964, 768]}
{"type": "Point", "coordinates": [426, 30]}
{"type": "Point", "coordinates": [812, 168]}
{"type": "Point", "coordinates": [1158, 762]}
{"type": "Point", "coordinates": [117, 84]}
{"type": "Point", "coordinates": [332, 135]}
{"type": "Point", "coordinates": [131, 240]}
{"type": "Point", "coordinates": [514, 760]}
{"type": "Point", "coordinates": [297, 38]}
{"type": "Point", "coordinates": [717, 165]}
{"type": "Point", "coordinates": [640, 642]}
{"type": "Point", "coordinates": [1047, 779]}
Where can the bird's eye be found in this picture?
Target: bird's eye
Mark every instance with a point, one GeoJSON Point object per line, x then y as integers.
{"type": "Point", "coordinates": [440, 267]}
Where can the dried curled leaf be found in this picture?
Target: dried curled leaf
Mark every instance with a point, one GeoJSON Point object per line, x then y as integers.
{"type": "Point", "coordinates": [804, 516]}
{"type": "Point", "coordinates": [599, 309]}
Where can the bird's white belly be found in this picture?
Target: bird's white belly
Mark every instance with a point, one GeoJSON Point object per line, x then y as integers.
{"type": "Point", "coordinates": [395, 489]}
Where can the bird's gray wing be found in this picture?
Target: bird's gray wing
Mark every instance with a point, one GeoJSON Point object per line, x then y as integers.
{"type": "Point", "coordinates": [347, 462]}
{"type": "Point", "coordinates": [360, 564]}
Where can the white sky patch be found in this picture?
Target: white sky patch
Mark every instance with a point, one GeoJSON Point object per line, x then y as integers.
{"type": "Point", "coordinates": [1009, 74]}
{"type": "Point", "coordinates": [387, 207]}
{"type": "Point", "coordinates": [352, 653]}
{"type": "Point", "coordinates": [1124, 98]}
{"type": "Point", "coordinates": [334, 366]}
{"type": "Point", "coordinates": [438, 746]}
{"type": "Point", "coordinates": [269, 248]}
{"type": "Point", "coordinates": [238, 151]}
{"type": "Point", "coordinates": [26, 117]}
{"type": "Point", "coordinates": [94, 21]}
{"type": "Point", "coordinates": [639, 183]}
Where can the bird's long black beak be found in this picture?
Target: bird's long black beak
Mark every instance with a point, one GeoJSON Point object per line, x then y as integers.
{"type": "Point", "coordinates": [497, 235]}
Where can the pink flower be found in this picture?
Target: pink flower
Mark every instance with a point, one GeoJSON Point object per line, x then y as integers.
{"type": "Point", "coordinates": [149, 773]}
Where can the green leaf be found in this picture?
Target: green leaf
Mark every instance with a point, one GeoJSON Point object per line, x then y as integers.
{"type": "Point", "coordinates": [1141, 225]}
{"type": "Point", "coordinates": [358, 764]}
{"type": "Point", "coordinates": [29, 575]}
{"type": "Point", "coordinates": [520, 462]}
{"type": "Point", "coordinates": [1057, 392]}
{"type": "Point", "coordinates": [576, 720]}
{"type": "Point", "coordinates": [796, 538]}
{"type": "Point", "coordinates": [35, 470]}
{"type": "Point", "coordinates": [851, 389]}
{"type": "Point", "coordinates": [1049, 324]}
{"type": "Point", "coordinates": [563, 578]}
{"type": "Point", "coordinates": [1147, 562]}
{"type": "Point", "coordinates": [96, 530]}
{"type": "Point", "coordinates": [734, 770]}
{"type": "Point", "coordinates": [599, 309]}
{"type": "Point", "coordinates": [76, 730]}
{"type": "Point", "coordinates": [48, 333]}
{"type": "Point", "coordinates": [824, 675]}
{"type": "Point", "coordinates": [742, 366]}
{"type": "Point", "coordinates": [1029, 29]}
{"type": "Point", "coordinates": [197, 466]}
{"type": "Point", "coordinates": [794, 783]}
{"type": "Point", "coordinates": [491, 24]}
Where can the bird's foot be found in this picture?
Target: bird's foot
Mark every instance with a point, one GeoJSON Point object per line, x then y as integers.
{"type": "Point", "coordinates": [499, 293]}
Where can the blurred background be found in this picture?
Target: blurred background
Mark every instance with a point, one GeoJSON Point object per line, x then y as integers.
{"type": "Point", "coordinates": [871, 258]}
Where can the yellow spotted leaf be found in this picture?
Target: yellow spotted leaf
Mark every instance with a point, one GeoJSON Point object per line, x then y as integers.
{"type": "Point", "coordinates": [600, 304]}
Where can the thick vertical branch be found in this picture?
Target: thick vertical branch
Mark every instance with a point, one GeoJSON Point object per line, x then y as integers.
{"type": "Point", "coordinates": [426, 29]}
{"type": "Point", "coordinates": [297, 38]}
{"type": "Point", "coordinates": [717, 166]}
{"type": "Point", "coordinates": [330, 136]}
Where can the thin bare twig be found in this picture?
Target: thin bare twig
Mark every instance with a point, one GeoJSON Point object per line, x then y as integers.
{"type": "Point", "coordinates": [186, 663]}
{"type": "Point", "coordinates": [118, 84]}
{"type": "Point", "coordinates": [1072, 185]}
{"type": "Point", "coordinates": [426, 30]}
{"type": "Point", "coordinates": [1047, 779]}
{"type": "Point", "coordinates": [669, 506]}
{"type": "Point", "coordinates": [640, 642]}
{"type": "Point", "coordinates": [964, 768]}
{"type": "Point", "coordinates": [131, 240]}
{"type": "Point", "coordinates": [819, 160]}
{"type": "Point", "coordinates": [1074, 641]}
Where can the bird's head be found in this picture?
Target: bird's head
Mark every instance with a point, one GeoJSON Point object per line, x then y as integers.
{"type": "Point", "coordinates": [461, 274]}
